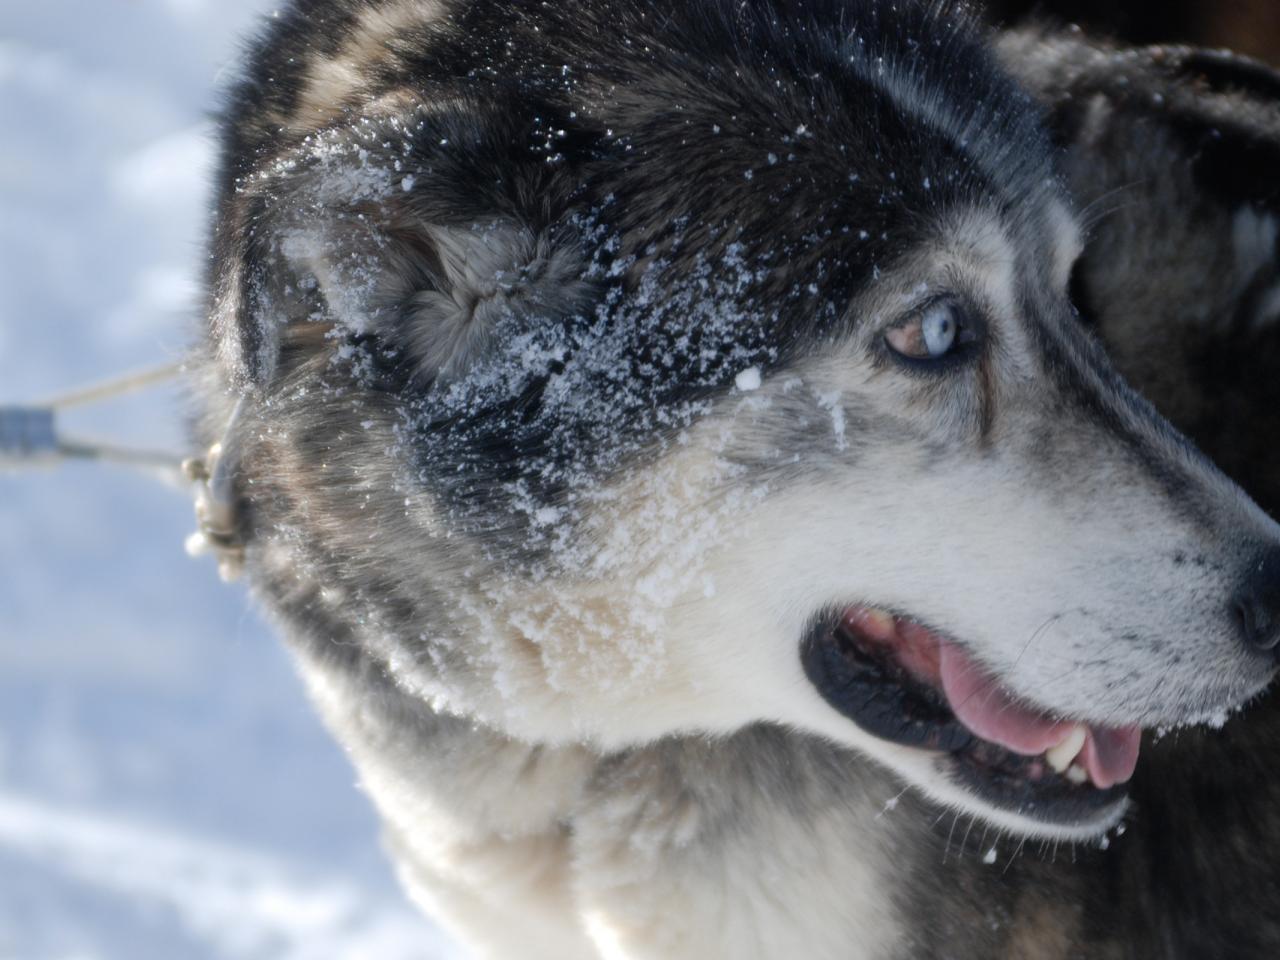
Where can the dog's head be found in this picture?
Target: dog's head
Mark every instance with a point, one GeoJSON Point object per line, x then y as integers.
{"type": "Point", "coordinates": [718, 367]}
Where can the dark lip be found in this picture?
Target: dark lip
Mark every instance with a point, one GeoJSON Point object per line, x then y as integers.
{"type": "Point", "coordinates": [885, 701]}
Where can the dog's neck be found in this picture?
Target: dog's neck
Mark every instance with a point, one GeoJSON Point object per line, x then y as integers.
{"type": "Point", "coordinates": [443, 781]}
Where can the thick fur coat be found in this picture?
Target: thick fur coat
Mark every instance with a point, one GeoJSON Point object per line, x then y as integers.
{"type": "Point", "coordinates": [574, 372]}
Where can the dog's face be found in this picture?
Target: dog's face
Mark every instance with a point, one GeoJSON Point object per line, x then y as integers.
{"type": "Point", "coordinates": [592, 428]}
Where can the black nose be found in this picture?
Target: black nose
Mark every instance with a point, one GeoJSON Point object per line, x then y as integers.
{"type": "Point", "coordinates": [1257, 604]}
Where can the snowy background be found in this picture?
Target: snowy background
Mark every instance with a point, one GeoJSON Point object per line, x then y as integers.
{"type": "Point", "coordinates": [165, 789]}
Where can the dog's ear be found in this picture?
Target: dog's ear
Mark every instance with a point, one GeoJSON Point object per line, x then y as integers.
{"type": "Point", "coordinates": [1212, 112]}
{"type": "Point", "coordinates": [408, 234]}
{"type": "Point", "coordinates": [1174, 157]}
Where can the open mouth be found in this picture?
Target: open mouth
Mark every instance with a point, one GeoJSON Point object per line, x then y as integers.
{"type": "Point", "coordinates": [906, 684]}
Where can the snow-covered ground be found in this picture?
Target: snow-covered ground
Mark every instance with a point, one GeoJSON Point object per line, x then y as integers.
{"type": "Point", "coordinates": [165, 790]}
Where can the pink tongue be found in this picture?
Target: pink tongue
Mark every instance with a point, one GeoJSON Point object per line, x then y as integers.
{"type": "Point", "coordinates": [983, 706]}
{"type": "Point", "coordinates": [1109, 756]}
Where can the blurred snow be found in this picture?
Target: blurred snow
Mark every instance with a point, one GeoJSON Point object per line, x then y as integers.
{"type": "Point", "coordinates": [165, 789]}
{"type": "Point", "coordinates": [210, 899]}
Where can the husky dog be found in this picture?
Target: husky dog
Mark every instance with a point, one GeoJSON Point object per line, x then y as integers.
{"type": "Point", "coordinates": [664, 432]}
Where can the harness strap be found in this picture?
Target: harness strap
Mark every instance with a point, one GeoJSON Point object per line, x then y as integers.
{"type": "Point", "coordinates": [29, 434]}
{"type": "Point", "coordinates": [29, 438]}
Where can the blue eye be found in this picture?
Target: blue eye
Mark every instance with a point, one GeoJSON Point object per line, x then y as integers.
{"type": "Point", "coordinates": [940, 328]}
{"type": "Point", "coordinates": [930, 333]}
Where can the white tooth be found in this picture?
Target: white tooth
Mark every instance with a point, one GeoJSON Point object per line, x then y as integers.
{"type": "Point", "coordinates": [1060, 757]}
{"type": "Point", "coordinates": [881, 620]}
{"type": "Point", "coordinates": [1076, 773]}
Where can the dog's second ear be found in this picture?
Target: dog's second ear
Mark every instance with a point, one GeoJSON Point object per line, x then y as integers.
{"type": "Point", "coordinates": [409, 238]}
{"type": "Point", "coordinates": [1173, 154]}
{"type": "Point", "coordinates": [1212, 112]}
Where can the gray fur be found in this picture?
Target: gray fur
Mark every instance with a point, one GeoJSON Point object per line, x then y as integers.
{"type": "Point", "coordinates": [499, 487]}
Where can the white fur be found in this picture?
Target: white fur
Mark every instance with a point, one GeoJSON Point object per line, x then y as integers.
{"type": "Point", "coordinates": [649, 892]}
{"type": "Point", "coordinates": [477, 822]}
